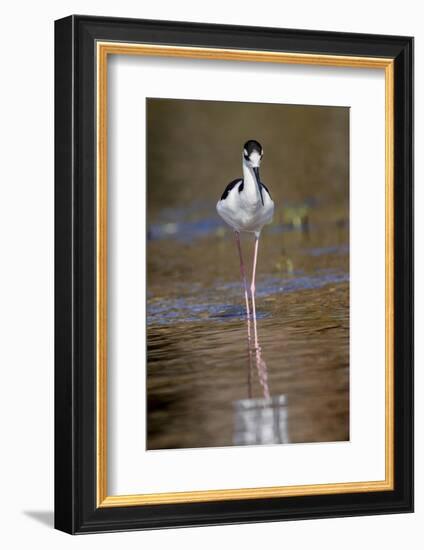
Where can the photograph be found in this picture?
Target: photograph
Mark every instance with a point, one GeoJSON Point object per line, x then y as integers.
{"type": "Point", "coordinates": [247, 313]}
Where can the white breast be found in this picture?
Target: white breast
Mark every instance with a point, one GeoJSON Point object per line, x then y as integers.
{"type": "Point", "coordinates": [245, 212]}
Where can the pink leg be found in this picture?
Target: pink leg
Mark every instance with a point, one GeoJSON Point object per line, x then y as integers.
{"type": "Point", "coordinates": [243, 276]}
{"type": "Point", "coordinates": [253, 287]}
{"type": "Point", "coordinates": [260, 363]}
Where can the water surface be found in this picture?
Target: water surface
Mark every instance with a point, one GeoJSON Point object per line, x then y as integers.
{"type": "Point", "coordinates": [199, 366]}
{"type": "Point", "coordinates": [205, 388]}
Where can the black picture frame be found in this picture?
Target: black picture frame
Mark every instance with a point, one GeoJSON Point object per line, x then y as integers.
{"type": "Point", "coordinates": [76, 510]}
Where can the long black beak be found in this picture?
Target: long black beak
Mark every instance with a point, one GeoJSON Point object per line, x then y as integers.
{"type": "Point", "coordinates": [258, 183]}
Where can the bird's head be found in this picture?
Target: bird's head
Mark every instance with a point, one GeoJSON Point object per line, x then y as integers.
{"type": "Point", "coordinates": [252, 153]}
{"type": "Point", "coordinates": [252, 156]}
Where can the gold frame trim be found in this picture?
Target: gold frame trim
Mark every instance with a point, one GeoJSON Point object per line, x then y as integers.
{"type": "Point", "coordinates": [103, 49]}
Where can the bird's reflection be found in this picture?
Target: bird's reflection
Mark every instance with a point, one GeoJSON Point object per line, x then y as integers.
{"type": "Point", "coordinates": [263, 420]}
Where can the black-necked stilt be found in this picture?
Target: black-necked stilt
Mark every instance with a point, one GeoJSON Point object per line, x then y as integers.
{"type": "Point", "coordinates": [246, 205]}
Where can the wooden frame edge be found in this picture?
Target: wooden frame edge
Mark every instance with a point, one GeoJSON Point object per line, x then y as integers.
{"type": "Point", "coordinates": [101, 269]}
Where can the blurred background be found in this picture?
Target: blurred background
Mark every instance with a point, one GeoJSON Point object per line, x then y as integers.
{"type": "Point", "coordinates": [204, 386]}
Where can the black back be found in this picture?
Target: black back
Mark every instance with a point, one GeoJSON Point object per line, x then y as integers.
{"type": "Point", "coordinates": [230, 186]}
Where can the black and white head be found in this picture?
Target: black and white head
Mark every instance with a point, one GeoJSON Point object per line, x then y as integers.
{"type": "Point", "coordinates": [252, 156]}
{"type": "Point", "coordinates": [252, 153]}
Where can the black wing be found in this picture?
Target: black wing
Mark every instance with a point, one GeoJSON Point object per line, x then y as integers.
{"type": "Point", "coordinates": [266, 189]}
{"type": "Point", "coordinates": [229, 187]}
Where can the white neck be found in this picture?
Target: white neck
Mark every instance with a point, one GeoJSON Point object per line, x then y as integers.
{"type": "Point", "coordinates": [249, 186]}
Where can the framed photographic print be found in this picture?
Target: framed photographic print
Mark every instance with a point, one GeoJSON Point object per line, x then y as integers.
{"type": "Point", "coordinates": [234, 274]}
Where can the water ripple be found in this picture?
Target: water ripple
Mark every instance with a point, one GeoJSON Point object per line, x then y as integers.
{"type": "Point", "coordinates": [207, 305]}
